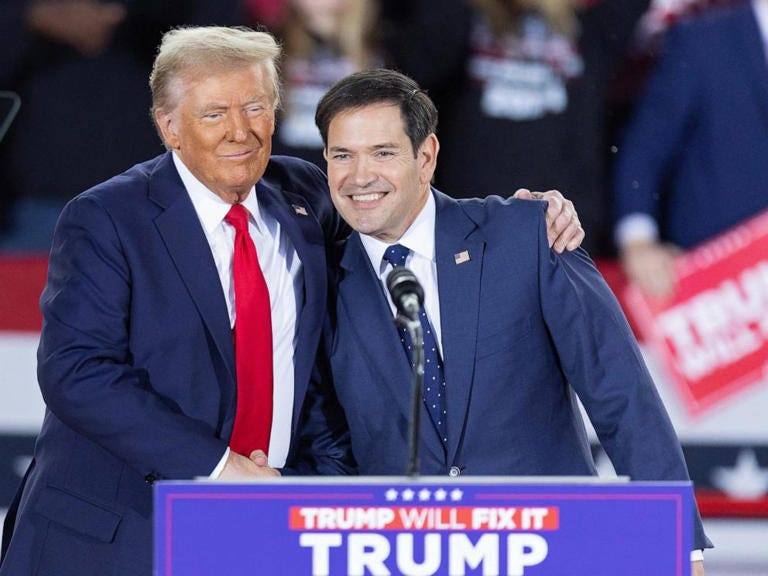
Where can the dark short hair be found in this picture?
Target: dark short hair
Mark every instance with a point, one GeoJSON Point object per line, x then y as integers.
{"type": "Point", "coordinates": [378, 86]}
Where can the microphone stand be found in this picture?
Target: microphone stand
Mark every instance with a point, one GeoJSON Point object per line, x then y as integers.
{"type": "Point", "coordinates": [417, 343]}
{"type": "Point", "coordinates": [15, 101]}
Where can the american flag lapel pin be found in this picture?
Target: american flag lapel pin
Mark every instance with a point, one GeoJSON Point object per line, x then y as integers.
{"type": "Point", "coordinates": [461, 257]}
{"type": "Point", "coordinates": [300, 210]}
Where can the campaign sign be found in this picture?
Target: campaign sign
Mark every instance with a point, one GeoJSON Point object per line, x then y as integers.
{"type": "Point", "coordinates": [423, 527]}
{"type": "Point", "coordinates": [712, 333]}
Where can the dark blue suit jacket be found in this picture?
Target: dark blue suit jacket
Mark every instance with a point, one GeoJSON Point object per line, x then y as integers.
{"type": "Point", "coordinates": [523, 331]}
{"type": "Point", "coordinates": [694, 156]}
{"type": "Point", "coordinates": [136, 362]}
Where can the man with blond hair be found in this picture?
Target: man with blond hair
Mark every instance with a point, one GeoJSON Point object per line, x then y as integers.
{"type": "Point", "coordinates": [181, 318]}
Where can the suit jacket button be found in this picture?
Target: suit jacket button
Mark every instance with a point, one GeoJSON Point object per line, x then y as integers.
{"type": "Point", "coordinates": [454, 472]}
{"type": "Point", "coordinates": [150, 478]}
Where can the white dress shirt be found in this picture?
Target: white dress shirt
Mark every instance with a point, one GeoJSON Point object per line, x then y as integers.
{"type": "Point", "coordinates": [420, 240]}
{"type": "Point", "coordinates": [284, 275]}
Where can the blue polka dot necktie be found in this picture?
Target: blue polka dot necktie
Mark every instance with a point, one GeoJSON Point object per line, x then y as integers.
{"type": "Point", "coordinates": [434, 378]}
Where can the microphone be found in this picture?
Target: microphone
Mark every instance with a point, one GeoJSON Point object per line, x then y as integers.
{"type": "Point", "coordinates": [408, 296]}
{"type": "Point", "coordinates": [406, 292]}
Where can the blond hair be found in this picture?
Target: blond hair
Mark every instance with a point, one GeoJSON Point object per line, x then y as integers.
{"type": "Point", "coordinates": [194, 50]}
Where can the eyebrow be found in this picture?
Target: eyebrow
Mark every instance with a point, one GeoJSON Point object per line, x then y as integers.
{"type": "Point", "coordinates": [374, 147]}
{"type": "Point", "coordinates": [223, 106]}
{"type": "Point", "coordinates": [211, 106]}
{"type": "Point", "coordinates": [256, 100]}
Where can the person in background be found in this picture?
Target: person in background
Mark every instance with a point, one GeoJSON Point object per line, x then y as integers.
{"type": "Point", "coordinates": [181, 318]}
{"type": "Point", "coordinates": [513, 332]}
{"type": "Point", "coordinates": [80, 68]}
{"type": "Point", "coordinates": [527, 81]}
{"type": "Point", "coordinates": [692, 162]}
{"type": "Point", "coordinates": [323, 42]}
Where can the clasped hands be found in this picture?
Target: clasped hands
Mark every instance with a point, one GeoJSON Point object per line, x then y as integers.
{"type": "Point", "coordinates": [254, 466]}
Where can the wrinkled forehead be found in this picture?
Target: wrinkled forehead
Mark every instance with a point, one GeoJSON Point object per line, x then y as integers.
{"type": "Point", "coordinates": [185, 78]}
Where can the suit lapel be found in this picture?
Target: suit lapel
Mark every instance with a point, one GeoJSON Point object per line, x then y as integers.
{"type": "Point", "coordinates": [368, 310]}
{"type": "Point", "coordinates": [296, 220]}
{"type": "Point", "coordinates": [366, 305]}
{"type": "Point", "coordinates": [185, 240]}
{"type": "Point", "coordinates": [749, 42]}
{"type": "Point", "coordinates": [459, 287]}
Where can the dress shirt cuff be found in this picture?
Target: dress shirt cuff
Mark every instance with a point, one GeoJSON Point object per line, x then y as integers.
{"type": "Point", "coordinates": [220, 466]}
{"type": "Point", "coordinates": [697, 555]}
{"type": "Point", "coordinates": [635, 227]}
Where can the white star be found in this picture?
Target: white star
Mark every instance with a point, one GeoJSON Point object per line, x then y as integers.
{"type": "Point", "coordinates": [424, 494]}
{"type": "Point", "coordinates": [440, 494]}
{"type": "Point", "coordinates": [746, 480]}
{"type": "Point", "coordinates": [456, 494]}
{"type": "Point", "coordinates": [391, 494]}
{"type": "Point", "coordinates": [407, 494]}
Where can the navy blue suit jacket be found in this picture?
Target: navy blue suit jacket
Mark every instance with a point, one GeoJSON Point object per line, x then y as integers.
{"type": "Point", "coordinates": [694, 156]}
{"type": "Point", "coordinates": [523, 331]}
{"type": "Point", "coordinates": [136, 362]}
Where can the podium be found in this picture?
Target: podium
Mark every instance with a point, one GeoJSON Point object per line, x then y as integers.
{"type": "Point", "coordinates": [425, 526]}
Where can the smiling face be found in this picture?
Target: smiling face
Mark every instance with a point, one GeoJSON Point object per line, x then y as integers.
{"type": "Point", "coordinates": [376, 183]}
{"type": "Point", "coordinates": [222, 128]}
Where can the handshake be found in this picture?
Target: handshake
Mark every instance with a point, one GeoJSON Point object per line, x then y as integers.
{"type": "Point", "coordinates": [238, 466]}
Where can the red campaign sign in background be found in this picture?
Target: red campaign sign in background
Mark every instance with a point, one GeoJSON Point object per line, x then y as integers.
{"type": "Point", "coordinates": [712, 333]}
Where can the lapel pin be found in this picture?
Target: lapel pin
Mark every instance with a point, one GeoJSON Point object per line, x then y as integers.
{"type": "Point", "coordinates": [461, 257]}
{"type": "Point", "coordinates": [300, 210]}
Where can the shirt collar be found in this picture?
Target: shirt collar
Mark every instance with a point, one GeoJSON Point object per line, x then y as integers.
{"type": "Point", "coordinates": [419, 238]}
{"type": "Point", "coordinates": [210, 207]}
{"type": "Point", "coordinates": [761, 13]}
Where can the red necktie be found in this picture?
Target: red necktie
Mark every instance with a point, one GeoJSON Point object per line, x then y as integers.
{"type": "Point", "coordinates": [253, 342]}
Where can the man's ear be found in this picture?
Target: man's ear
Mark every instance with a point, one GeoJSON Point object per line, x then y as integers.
{"type": "Point", "coordinates": [167, 124]}
{"type": "Point", "coordinates": [427, 158]}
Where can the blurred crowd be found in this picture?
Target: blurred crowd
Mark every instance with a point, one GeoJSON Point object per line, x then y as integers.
{"type": "Point", "coordinates": [651, 115]}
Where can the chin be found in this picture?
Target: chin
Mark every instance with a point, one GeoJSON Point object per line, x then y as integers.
{"type": "Point", "coordinates": [243, 183]}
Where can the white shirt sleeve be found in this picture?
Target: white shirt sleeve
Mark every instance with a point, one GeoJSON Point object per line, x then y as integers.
{"type": "Point", "coordinates": [635, 227]}
{"type": "Point", "coordinates": [220, 466]}
{"type": "Point", "coordinates": [697, 555]}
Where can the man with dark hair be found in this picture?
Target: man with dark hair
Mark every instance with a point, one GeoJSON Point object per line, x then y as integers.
{"type": "Point", "coordinates": [513, 331]}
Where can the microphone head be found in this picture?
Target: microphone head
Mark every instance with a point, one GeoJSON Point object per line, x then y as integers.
{"type": "Point", "coordinates": [402, 282]}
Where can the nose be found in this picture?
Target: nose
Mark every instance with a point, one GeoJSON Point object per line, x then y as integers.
{"type": "Point", "coordinates": [237, 127]}
{"type": "Point", "coordinates": [360, 173]}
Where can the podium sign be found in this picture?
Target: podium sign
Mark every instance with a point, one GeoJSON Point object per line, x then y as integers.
{"type": "Point", "coordinates": [712, 333]}
{"type": "Point", "coordinates": [423, 527]}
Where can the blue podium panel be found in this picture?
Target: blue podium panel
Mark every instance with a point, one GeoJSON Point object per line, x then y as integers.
{"type": "Point", "coordinates": [489, 526]}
